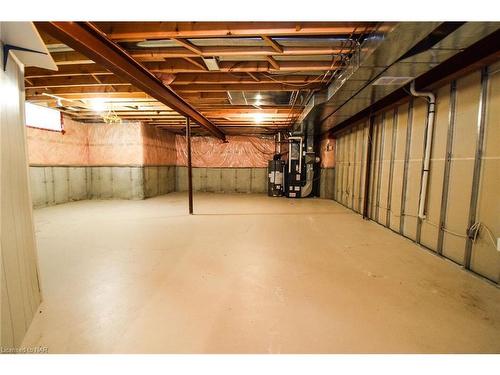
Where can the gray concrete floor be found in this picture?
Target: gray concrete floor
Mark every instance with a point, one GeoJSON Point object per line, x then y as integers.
{"type": "Point", "coordinates": [248, 274]}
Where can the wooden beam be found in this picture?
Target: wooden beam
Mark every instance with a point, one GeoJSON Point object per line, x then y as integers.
{"type": "Point", "coordinates": [187, 44]}
{"type": "Point", "coordinates": [89, 93]}
{"type": "Point", "coordinates": [245, 77]}
{"type": "Point", "coordinates": [84, 37]}
{"type": "Point", "coordinates": [70, 58]}
{"type": "Point", "coordinates": [196, 63]}
{"type": "Point", "coordinates": [160, 54]}
{"type": "Point", "coordinates": [175, 66]}
{"type": "Point", "coordinates": [245, 66]}
{"type": "Point", "coordinates": [272, 43]}
{"type": "Point", "coordinates": [66, 70]}
{"type": "Point", "coordinates": [181, 89]}
{"type": "Point", "coordinates": [254, 77]}
{"type": "Point", "coordinates": [137, 31]}
{"type": "Point", "coordinates": [240, 87]}
{"type": "Point", "coordinates": [179, 80]}
{"type": "Point", "coordinates": [75, 81]}
{"type": "Point", "coordinates": [273, 62]}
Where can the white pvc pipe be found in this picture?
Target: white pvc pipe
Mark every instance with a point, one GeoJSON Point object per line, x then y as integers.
{"type": "Point", "coordinates": [427, 152]}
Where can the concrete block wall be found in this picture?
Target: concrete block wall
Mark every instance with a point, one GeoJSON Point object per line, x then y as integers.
{"type": "Point", "coordinates": [61, 184]}
{"type": "Point", "coordinates": [224, 180]}
{"type": "Point", "coordinates": [54, 185]}
{"type": "Point", "coordinates": [116, 183]}
{"type": "Point", "coordinates": [159, 180]}
{"type": "Point", "coordinates": [327, 183]}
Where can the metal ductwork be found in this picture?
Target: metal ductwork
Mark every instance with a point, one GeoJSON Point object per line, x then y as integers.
{"type": "Point", "coordinates": [291, 173]}
{"type": "Point", "coordinates": [403, 50]}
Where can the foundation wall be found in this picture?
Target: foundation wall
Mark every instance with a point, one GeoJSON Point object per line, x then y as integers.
{"type": "Point", "coordinates": [463, 183]}
{"type": "Point", "coordinates": [239, 166]}
{"type": "Point", "coordinates": [98, 161]}
{"type": "Point", "coordinates": [133, 161]}
{"type": "Point", "coordinates": [224, 180]}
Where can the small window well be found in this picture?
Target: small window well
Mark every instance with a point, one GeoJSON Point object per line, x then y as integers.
{"type": "Point", "coordinates": [43, 118]}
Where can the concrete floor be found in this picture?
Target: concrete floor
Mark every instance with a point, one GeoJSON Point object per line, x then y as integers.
{"type": "Point", "coordinates": [248, 274]}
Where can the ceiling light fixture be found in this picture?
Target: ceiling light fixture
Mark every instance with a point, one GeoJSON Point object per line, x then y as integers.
{"type": "Point", "coordinates": [259, 117]}
{"type": "Point", "coordinates": [98, 105]}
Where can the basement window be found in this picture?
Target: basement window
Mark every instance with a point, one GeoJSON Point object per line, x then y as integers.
{"type": "Point", "coordinates": [43, 118]}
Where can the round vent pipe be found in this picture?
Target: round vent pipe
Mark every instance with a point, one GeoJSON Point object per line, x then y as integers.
{"type": "Point", "coordinates": [428, 143]}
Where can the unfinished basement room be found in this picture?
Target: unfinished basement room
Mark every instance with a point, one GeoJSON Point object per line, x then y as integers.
{"type": "Point", "coordinates": [250, 187]}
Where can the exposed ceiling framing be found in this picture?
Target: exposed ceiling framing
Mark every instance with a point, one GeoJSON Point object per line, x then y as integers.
{"type": "Point", "coordinates": [266, 71]}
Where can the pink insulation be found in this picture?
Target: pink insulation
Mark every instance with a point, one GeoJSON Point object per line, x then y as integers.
{"type": "Point", "coordinates": [327, 152]}
{"type": "Point", "coordinates": [240, 151]}
{"type": "Point", "coordinates": [137, 144]}
{"type": "Point", "coordinates": [158, 147]}
{"type": "Point", "coordinates": [54, 148]}
{"type": "Point", "coordinates": [117, 144]}
{"type": "Point", "coordinates": [101, 144]}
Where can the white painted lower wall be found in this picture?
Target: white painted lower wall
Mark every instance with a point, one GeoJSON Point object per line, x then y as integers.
{"type": "Point", "coordinates": [20, 296]}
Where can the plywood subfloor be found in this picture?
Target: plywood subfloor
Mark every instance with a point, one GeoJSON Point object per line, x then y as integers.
{"type": "Point", "coordinates": [248, 274]}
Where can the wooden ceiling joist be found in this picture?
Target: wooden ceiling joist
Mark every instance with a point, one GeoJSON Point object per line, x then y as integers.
{"type": "Point", "coordinates": [187, 44]}
{"type": "Point", "coordinates": [137, 31]}
{"type": "Point", "coordinates": [168, 53]}
{"type": "Point", "coordinates": [179, 79]}
{"type": "Point", "coordinates": [275, 46]}
{"type": "Point", "coordinates": [273, 62]}
{"type": "Point", "coordinates": [194, 88]}
{"type": "Point", "coordinates": [252, 57]}
{"type": "Point", "coordinates": [75, 58]}
{"type": "Point", "coordinates": [171, 66]}
{"type": "Point", "coordinates": [183, 66]}
{"type": "Point", "coordinates": [87, 39]}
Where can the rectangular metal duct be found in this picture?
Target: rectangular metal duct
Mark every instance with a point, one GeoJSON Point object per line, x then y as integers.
{"type": "Point", "coordinates": [380, 55]}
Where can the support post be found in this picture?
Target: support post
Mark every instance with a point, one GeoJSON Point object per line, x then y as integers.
{"type": "Point", "coordinates": [189, 165]}
{"type": "Point", "coordinates": [369, 151]}
{"type": "Point", "coordinates": [447, 166]}
{"type": "Point", "coordinates": [481, 124]}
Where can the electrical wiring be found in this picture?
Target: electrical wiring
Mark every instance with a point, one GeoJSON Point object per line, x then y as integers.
{"type": "Point", "coordinates": [476, 227]}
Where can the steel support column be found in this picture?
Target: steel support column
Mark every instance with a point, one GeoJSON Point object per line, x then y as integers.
{"type": "Point", "coordinates": [380, 167]}
{"type": "Point", "coordinates": [189, 165]}
{"type": "Point", "coordinates": [391, 167]}
{"type": "Point", "coordinates": [447, 166]}
{"type": "Point", "coordinates": [409, 125]}
{"type": "Point", "coordinates": [481, 121]}
{"type": "Point", "coordinates": [369, 151]}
